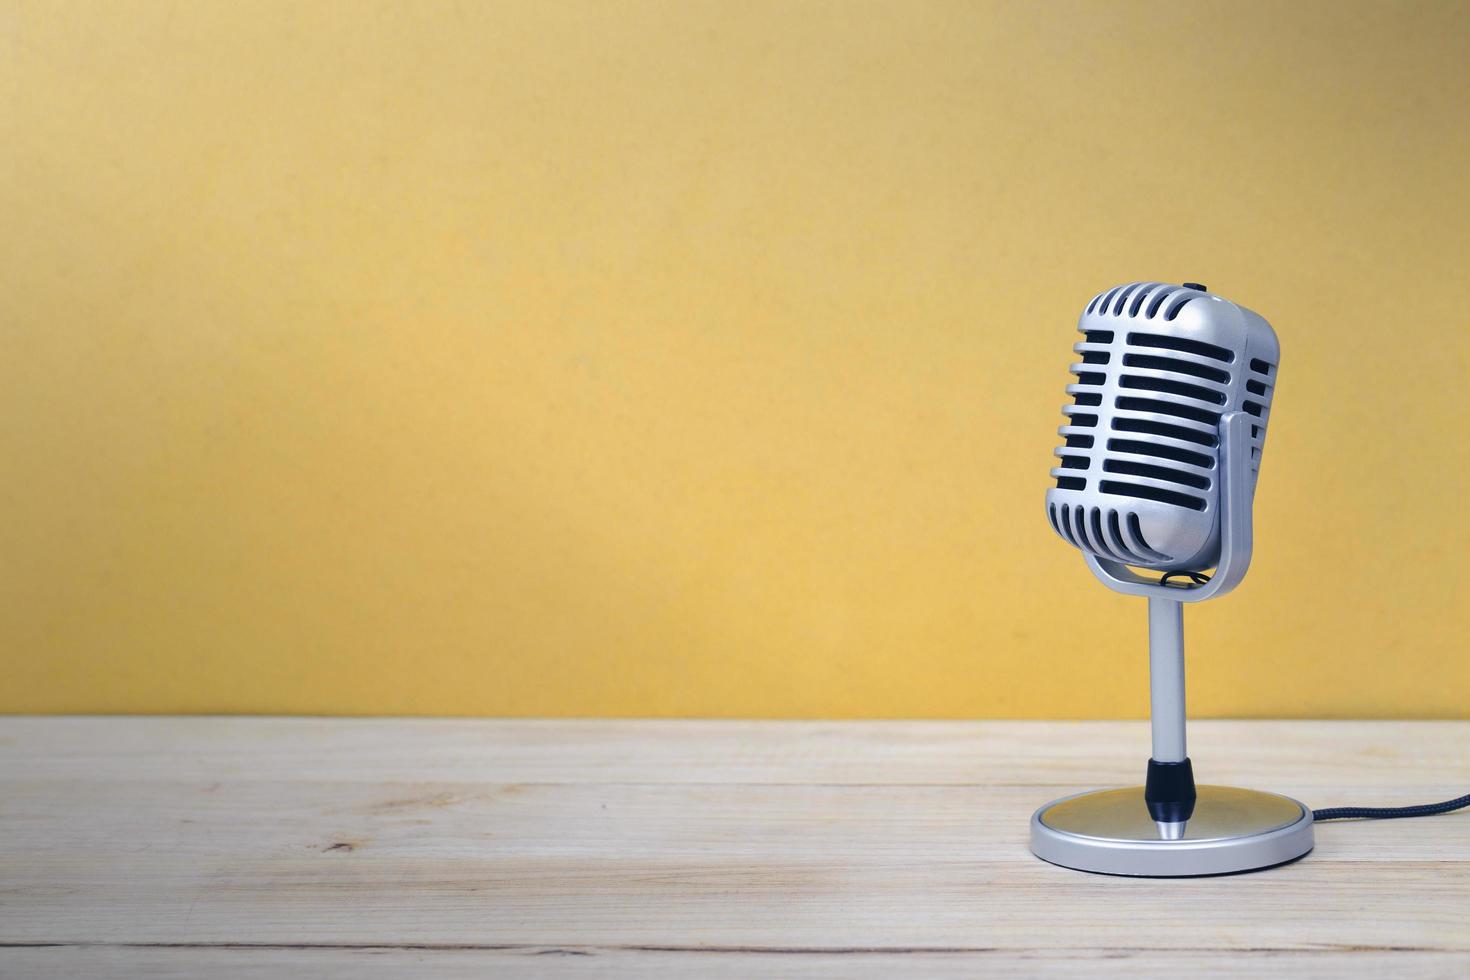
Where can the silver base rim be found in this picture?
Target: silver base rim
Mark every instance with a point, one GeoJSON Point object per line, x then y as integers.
{"type": "Point", "coordinates": [1257, 837]}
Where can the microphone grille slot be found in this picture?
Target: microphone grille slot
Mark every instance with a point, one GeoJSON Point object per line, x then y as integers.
{"type": "Point", "coordinates": [1145, 492]}
{"type": "Point", "coordinates": [1087, 393]}
{"type": "Point", "coordinates": [1107, 532]}
{"type": "Point", "coordinates": [1145, 300]}
{"type": "Point", "coordinates": [1260, 385]}
{"type": "Point", "coordinates": [1183, 345]}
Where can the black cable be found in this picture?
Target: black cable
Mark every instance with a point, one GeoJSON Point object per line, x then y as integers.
{"type": "Point", "coordinates": [1198, 578]}
{"type": "Point", "coordinates": [1390, 812]}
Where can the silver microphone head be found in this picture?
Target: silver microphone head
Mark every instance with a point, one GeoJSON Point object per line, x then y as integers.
{"type": "Point", "coordinates": [1138, 480]}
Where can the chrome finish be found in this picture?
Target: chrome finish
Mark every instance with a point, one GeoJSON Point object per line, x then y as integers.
{"type": "Point", "coordinates": [1161, 365]}
{"type": "Point", "coordinates": [1237, 528]}
{"type": "Point", "coordinates": [1171, 829]}
{"type": "Point", "coordinates": [1232, 830]}
{"type": "Point", "coordinates": [1166, 678]}
{"type": "Point", "coordinates": [1162, 447]}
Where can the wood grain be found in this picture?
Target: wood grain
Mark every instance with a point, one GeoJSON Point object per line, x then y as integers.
{"type": "Point", "coordinates": [360, 847]}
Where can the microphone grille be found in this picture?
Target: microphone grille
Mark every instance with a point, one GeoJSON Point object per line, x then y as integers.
{"type": "Point", "coordinates": [1137, 479]}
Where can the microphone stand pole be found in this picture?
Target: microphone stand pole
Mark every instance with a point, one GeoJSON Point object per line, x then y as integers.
{"type": "Point", "coordinates": [1170, 790]}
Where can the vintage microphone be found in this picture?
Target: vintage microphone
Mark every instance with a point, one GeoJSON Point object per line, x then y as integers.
{"type": "Point", "coordinates": [1155, 482]}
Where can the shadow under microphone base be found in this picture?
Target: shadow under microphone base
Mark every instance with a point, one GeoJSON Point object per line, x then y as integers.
{"type": "Point", "coordinates": [1171, 828]}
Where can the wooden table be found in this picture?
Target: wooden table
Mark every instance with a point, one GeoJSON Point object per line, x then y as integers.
{"type": "Point", "coordinates": [187, 847]}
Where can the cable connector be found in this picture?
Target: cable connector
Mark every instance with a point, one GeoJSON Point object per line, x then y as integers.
{"type": "Point", "coordinates": [1169, 793]}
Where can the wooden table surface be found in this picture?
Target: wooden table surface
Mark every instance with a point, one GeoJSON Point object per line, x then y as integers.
{"type": "Point", "coordinates": [365, 848]}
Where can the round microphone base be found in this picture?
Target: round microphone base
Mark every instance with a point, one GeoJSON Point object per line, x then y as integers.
{"type": "Point", "coordinates": [1231, 830]}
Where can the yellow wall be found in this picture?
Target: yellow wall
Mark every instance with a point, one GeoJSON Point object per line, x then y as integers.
{"type": "Point", "coordinates": [705, 358]}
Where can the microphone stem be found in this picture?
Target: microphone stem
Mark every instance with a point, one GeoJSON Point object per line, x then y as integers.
{"type": "Point", "coordinates": [1166, 678]}
{"type": "Point", "coordinates": [1169, 791]}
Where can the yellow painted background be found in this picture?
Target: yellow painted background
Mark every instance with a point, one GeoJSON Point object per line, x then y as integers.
{"type": "Point", "coordinates": [595, 358]}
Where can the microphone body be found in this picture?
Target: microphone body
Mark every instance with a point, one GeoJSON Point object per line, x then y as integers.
{"type": "Point", "coordinates": [1138, 474]}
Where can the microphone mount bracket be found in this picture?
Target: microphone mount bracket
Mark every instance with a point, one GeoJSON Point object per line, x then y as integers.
{"type": "Point", "coordinates": [1237, 488]}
